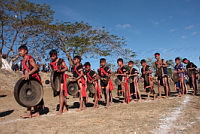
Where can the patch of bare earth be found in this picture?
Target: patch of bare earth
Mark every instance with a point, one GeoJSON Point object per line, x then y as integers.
{"type": "Point", "coordinates": [136, 117]}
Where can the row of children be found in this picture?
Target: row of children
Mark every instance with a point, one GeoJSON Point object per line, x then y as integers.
{"type": "Point", "coordinates": [104, 74]}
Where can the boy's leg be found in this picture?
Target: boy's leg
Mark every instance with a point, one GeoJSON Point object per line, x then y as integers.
{"type": "Point", "coordinates": [166, 86]}
{"type": "Point", "coordinates": [194, 85]}
{"type": "Point", "coordinates": [107, 96]}
{"type": "Point", "coordinates": [137, 91]}
{"type": "Point", "coordinates": [159, 90]}
{"type": "Point", "coordinates": [61, 101]}
{"type": "Point", "coordinates": [28, 113]}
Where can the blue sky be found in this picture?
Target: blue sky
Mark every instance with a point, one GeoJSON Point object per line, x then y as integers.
{"type": "Point", "coordinates": [171, 27]}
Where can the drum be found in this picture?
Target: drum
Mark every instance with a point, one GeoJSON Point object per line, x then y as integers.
{"type": "Point", "coordinates": [118, 81]}
{"type": "Point", "coordinates": [55, 80]}
{"type": "Point", "coordinates": [72, 88]}
{"type": "Point", "coordinates": [28, 93]}
{"type": "Point", "coordinates": [91, 88]}
{"type": "Point", "coordinates": [175, 77]}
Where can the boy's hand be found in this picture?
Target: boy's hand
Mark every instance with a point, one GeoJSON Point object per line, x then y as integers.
{"type": "Point", "coordinates": [25, 77]}
{"type": "Point", "coordinates": [73, 80]}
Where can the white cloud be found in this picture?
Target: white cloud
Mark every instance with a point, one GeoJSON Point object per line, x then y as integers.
{"type": "Point", "coordinates": [123, 26]}
{"type": "Point", "coordinates": [189, 27]}
{"type": "Point", "coordinates": [183, 37]}
{"type": "Point", "coordinates": [172, 30]}
{"type": "Point", "coordinates": [155, 22]}
{"type": "Point", "coordinates": [193, 33]}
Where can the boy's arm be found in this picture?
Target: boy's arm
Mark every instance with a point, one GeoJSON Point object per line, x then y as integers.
{"type": "Point", "coordinates": [165, 64]}
{"type": "Point", "coordinates": [81, 75]}
{"type": "Point", "coordinates": [64, 69]}
{"type": "Point", "coordinates": [35, 68]}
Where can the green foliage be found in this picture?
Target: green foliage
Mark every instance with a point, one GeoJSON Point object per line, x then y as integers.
{"type": "Point", "coordinates": [23, 22]}
{"type": "Point", "coordinates": [81, 39]}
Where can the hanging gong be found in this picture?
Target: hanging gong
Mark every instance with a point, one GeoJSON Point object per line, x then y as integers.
{"type": "Point", "coordinates": [28, 93]}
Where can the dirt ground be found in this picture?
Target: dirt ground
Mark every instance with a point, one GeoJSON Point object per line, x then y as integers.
{"type": "Point", "coordinates": [173, 115]}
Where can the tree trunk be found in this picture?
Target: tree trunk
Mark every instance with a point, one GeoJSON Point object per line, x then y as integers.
{"type": "Point", "coordinates": [0, 61]}
{"type": "Point", "coordinates": [70, 60]}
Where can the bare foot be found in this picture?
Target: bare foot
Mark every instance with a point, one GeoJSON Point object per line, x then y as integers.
{"type": "Point", "coordinates": [37, 114]}
{"type": "Point", "coordinates": [59, 113]}
{"type": "Point", "coordinates": [148, 99]}
{"type": "Point", "coordinates": [26, 116]}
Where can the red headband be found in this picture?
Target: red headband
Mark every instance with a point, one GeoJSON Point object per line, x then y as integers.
{"type": "Point", "coordinates": [87, 65]}
{"type": "Point", "coordinates": [53, 55]}
{"type": "Point", "coordinates": [22, 49]}
{"type": "Point", "coordinates": [130, 63]}
{"type": "Point", "coordinates": [157, 55]}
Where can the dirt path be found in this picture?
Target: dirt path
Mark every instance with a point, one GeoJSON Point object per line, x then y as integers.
{"type": "Point", "coordinates": [174, 115]}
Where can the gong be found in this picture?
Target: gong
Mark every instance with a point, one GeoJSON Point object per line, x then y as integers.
{"type": "Point", "coordinates": [160, 72]}
{"type": "Point", "coordinates": [146, 79]}
{"type": "Point", "coordinates": [28, 93]}
{"type": "Point", "coordinates": [175, 77]}
{"type": "Point", "coordinates": [91, 88]}
{"type": "Point", "coordinates": [118, 81]}
{"type": "Point", "coordinates": [72, 88]}
{"type": "Point", "coordinates": [55, 82]}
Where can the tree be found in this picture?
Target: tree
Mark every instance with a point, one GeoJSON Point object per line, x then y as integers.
{"type": "Point", "coordinates": [22, 22]}
{"type": "Point", "coordinates": [81, 39]}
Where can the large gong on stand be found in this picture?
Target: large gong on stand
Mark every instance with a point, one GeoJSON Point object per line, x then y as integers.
{"type": "Point", "coordinates": [28, 93]}
{"type": "Point", "coordinates": [55, 81]}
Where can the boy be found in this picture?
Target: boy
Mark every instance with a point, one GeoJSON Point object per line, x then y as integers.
{"type": "Point", "coordinates": [60, 67]}
{"type": "Point", "coordinates": [30, 68]}
{"type": "Point", "coordinates": [191, 70]}
{"type": "Point", "coordinates": [133, 74]}
{"type": "Point", "coordinates": [122, 76]}
{"type": "Point", "coordinates": [146, 74]}
{"type": "Point", "coordinates": [180, 86]}
{"type": "Point", "coordinates": [78, 76]}
{"type": "Point", "coordinates": [106, 82]}
{"type": "Point", "coordinates": [162, 74]}
{"type": "Point", "coordinates": [92, 78]}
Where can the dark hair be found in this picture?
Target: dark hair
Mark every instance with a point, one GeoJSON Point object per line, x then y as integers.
{"type": "Point", "coordinates": [87, 64]}
{"type": "Point", "coordinates": [120, 59]}
{"type": "Point", "coordinates": [157, 54]}
{"type": "Point", "coordinates": [131, 62]}
{"type": "Point", "coordinates": [102, 59]}
{"type": "Point", "coordinates": [78, 57]}
{"type": "Point", "coordinates": [184, 59]}
{"type": "Point", "coordinates": [142, 61]}
{"type": "Point", "coordinates": [4, 56]}
{"type": "Point", "coordinates": [177, 58]}
{"type": "Point", "coordinates": [53, 51]}
{"type": "Point", "coordinates": [23, 47]}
